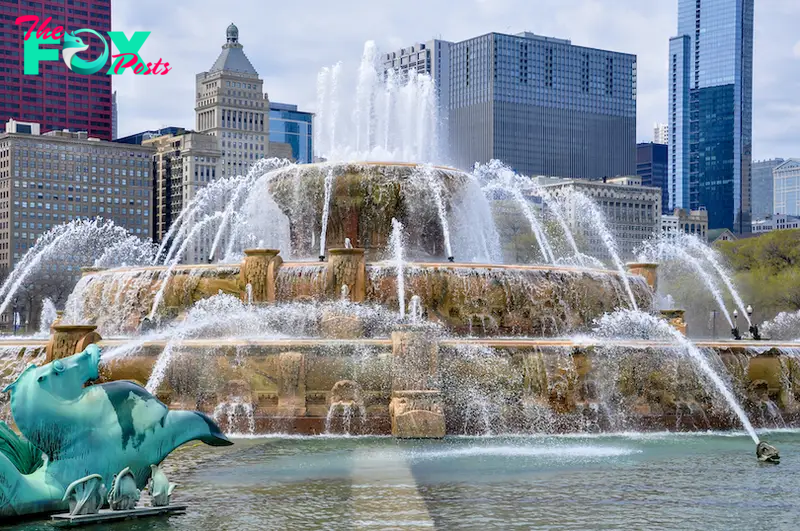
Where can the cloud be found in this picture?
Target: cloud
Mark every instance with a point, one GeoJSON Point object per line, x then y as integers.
{"type": "Point", "coordinates": [288, 42]}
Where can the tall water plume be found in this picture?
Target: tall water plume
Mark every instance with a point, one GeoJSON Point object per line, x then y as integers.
{"type": "Point", "coordinates": [396, 244]}
{"type": "Point", "coordinates": [392, 117]}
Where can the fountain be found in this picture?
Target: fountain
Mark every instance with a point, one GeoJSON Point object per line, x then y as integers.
{"type": "Point", "coordinates": [359, 296]}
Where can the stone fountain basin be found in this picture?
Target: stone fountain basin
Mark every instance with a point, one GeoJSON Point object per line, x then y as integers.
{"type": "Point", "coordinates": [467, 298]}
{"type": "Point", "coordinates": [292, 383]}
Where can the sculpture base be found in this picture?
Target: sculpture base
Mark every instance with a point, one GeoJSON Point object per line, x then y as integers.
{"type": "Point", "coordinates": [107, 515]}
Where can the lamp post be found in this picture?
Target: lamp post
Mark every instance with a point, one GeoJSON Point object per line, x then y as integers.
{"type": "Point", "coordinates": [735, 330]}
{"type": "Point", "coordinates": [754, 333]}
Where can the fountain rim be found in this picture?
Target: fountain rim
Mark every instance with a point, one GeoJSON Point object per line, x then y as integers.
{"type": "Point", "coordinates": [379, 263]}
{"type": "Point", "coordinates": [506, 342]}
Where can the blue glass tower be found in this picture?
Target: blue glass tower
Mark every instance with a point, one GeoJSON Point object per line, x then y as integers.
{"type": "Point", "coordinates": [293, 127]}
{"type": "Point", "coordinates": [710, 111]}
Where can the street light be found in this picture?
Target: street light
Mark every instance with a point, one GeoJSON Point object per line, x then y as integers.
{"type": "Point", "coordinates": [735, 330]}
{"type": "Point", "coordinates": [754, 333]}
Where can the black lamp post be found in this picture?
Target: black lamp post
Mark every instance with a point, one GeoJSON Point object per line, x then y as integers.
{"type": "Point", "coordinates": [754, 333]}
{"type": "Point", "coordinates": [735, 330]}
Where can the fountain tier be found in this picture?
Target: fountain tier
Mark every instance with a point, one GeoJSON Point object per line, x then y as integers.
{"type": "Point", "coordinates": [362, 198]}
{"type": "Point", "coordinates": [474, 299]}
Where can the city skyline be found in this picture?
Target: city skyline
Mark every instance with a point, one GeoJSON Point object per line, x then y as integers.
{"type": "Point", "coordinates": [290, 59]}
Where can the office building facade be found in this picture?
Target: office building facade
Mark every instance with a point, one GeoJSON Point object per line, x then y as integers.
{"type": "Point", "coordinates": [776, 222]}
{"type": "Point", "coordinates": [710, 110]}
{"type": "Point", "coordinates": [686, 221]}
{"type": "Point", "coordinates": [652, 165]}
{"type": "Point", "coordinates": [543, 106]}
{"type": "Point", "coordinates": [632, 213]}
{"type": "Point", "coordinates": [289, 126]}
{"type": "Point", "coordinates": [763, 187]}
{"type": "Point", "coordinates": [56, 98]}
{"type": "Point", "coordinates": [56, 177]}
{"type": "Point", "coordinates": [786, 195]}
{"type": "Point", "coordinates": [182, 164]}
{"type": "Point", "coordinates": [232, 106]}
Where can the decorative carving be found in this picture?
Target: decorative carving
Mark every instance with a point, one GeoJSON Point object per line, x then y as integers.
{"type": "Point", "coordinates": [124, 495]}
{"type": "Point", "coordinates": [676, 319]}
{"type": "Point", "coordinates": [259, 270]}
{"type": "Point", "coordinates": [86, 495]}
{"type": "Point", "coordinates": [647, 270]}
{"type": "Point", "coordinates": [346, 267]}
{"type": "Point", "coordinates": [417, 415]}
{"type": "Point", "coordinates": [292, 383]}
{"type": "Point", "coordinates": [67, 339]}
{"type": "Point", "coordinates": [159, 487]}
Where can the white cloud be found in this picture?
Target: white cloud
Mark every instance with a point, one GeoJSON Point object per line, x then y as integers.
{"type": "Point", "coordinates": [288, 42]}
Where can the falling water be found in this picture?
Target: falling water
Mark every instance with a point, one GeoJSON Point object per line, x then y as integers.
{"type": "Point", "coordinates": [426, 174]}
{"type": "Point", "coordinates": [87, 239]}
{"type": "Point", "coordinates": [558, 212]}
{"type": "Point", "coordinates": [598, 222]}
{"type": "Point", "coordinates": [396, 245]}
{"type": "Point", "coordinates": [233, 411]}
{"type": "Point", "coordinates": [415, 309]}
{"type": "Point", "coordinates": [632, 324]}
{"type": "Point", "coordinates": [47, 317]}
{"type": "Point", "coordinates": [196, 228]}
{"type": "Point", "coordinates": [249, 291]}
{"type": "Point", "coordinates": [692, 242]}
{"type": "Point", "coordinates": [667, 249]}
{"type": "Point", "coordinates": [503, 178]}
{"type": "Point", "coordinates": [326, 206]}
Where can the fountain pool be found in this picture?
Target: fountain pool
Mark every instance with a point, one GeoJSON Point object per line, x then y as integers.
{"type": "Point", "coordinates": [569, 482]}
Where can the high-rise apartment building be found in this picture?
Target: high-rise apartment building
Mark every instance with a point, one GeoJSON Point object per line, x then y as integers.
{"type": "Point", "coordinates": [786, 196]}
{"type": "Point", "coordinates": [56, 177]}
{"type": "Point", "coordinates": [661, 134]}
{"type": "Point", "coordinates": [543, 106]}
{"type": "Point", "coordinates": [56, 98]}
{"type": "Point", "coordinates": [652, 165]}
{"type": "Point", "coordinates": [294, 128]}
{"type": "Point", "coordinates": [710, 111]}
{"type": "Point", "coordinates": [232, 106]}
{"type": "Point", "coordinates": [763, 187]}
{"type": "Point", "coordinates": [431, 58]}
{"type": "Point", "coordinates": [182, 164]}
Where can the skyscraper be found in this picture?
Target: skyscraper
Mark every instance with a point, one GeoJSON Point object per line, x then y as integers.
{"type": "Point", "coordinates": [288, 126]}
{"type": "Point", "coordinates": [232, 106]}
{"type": "Point", "coordinates": [543, 106]}
{"type": "Point", "coordinates": [763, 187]}
{"type": "Point", "coordinates": [652, 162]}
{"type": "Point", "coordinates": [57, 98]}
{"type": "Point", "coordinates": [114, 118]}
{"type": "Point", "coordinates": [710, 111]}
{"type": "Point", "coordinates": [661, 134]}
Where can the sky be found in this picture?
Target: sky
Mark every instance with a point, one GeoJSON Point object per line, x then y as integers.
{"type": "Point", "coordinates": [288, 43]}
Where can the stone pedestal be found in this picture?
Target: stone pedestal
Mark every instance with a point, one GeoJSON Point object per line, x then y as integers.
{"type": "Point", "coordinates": [346, 267]}
{"type": "Point", "coordinates": [67, 340]}
{"type": "Point", "coordinates": [417, 415]}
{"type": "Point", "coordinates": [676, 319]}
{"type": "Point", "coordinates": [292, 384]}
{"type": "Point", "coordinates": [645, 269]}
{"type": "Point", "coordinates": [259, 270]}
{"type": "Point", "coordinates": [415, 409]}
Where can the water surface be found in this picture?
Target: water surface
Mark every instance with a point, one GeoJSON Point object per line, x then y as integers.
{"type": "Point", "coordinates": [627, 481]}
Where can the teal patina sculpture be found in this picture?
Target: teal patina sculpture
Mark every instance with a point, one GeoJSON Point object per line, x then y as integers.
{"type": "Point", "coordinates": [71, 432]}
{"type": "Point", "coordinates": [123, 494]}
{"type": "Point", "coordinates": [159, 487]}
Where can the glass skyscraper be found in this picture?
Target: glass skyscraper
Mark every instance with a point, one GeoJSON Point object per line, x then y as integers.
{"type": "Point", "coordinates": [710, 111]}
{"type": "Point", "coordinates": [543, 106]}
{"type": "Point", "coordinates": [290, 126]}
